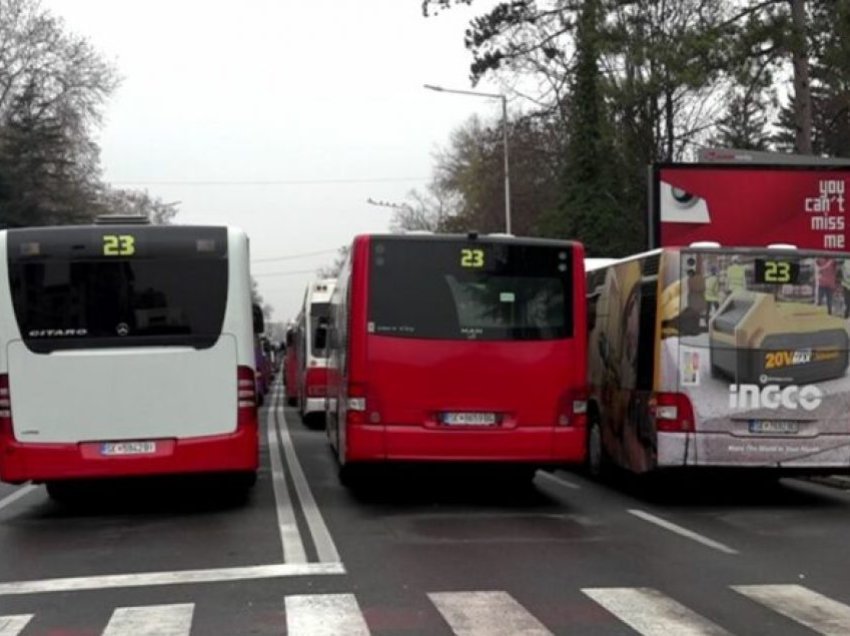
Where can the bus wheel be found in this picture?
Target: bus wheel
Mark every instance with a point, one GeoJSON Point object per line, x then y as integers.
{"type": "Point", "coordinates": [595, 452]}
{"type": "Point", "coordinates": [291, 401]}
{"type": "Point", "coordinates": [350, 476]}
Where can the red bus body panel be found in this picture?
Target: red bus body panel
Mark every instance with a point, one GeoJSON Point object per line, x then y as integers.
{"type": "Point", "coordinates": [21, 462]}
{"type": "Point", "coordinates": [408, 383]}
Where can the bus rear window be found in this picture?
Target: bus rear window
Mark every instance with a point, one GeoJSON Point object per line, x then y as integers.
{"type": "Point", "coordinates": [170, 299]}
{"type": "Point", "coordinates": [319, 313]}
{"type": "Point", "coordinates": [460, 290]}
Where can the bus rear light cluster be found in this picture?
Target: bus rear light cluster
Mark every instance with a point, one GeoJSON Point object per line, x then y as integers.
{"type": "Point", "coordinates": [356, 404]}
{"type": "Point", "coordinates": [246, 388]}
{"type": "Point", "coordinates": [5, 407]}
{"type": "Point", "coordinates": [672, 412]}
{"type": "Point", "coordinates": [573, 411]}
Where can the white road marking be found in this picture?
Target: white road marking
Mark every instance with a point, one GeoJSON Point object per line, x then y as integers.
{"type": "Point", "coordinates": [651, 613]}
{"type": "Point", "coordinates": [152, 620]}
{"type": "Point", "coordinates": [290, 538]}
{"type": "Point", "coordinates": [14, 625]}
{"type": "Point", "coordinates": [20, 492]}
{"type": "Point", "coordinates": [111, 581]}
{"type": "Point", "coordinates": [325, 546]}
{"type": "Point", "coordinates": [486, 614]}
{"type": "Point", "coordinates": [560, 481]}
{"type": "Point", "coordinates": [324, 615]}
{"type": "Point", "coordinates": [684, 532]}
{"type": "Point", "coordinates": [816, 611]}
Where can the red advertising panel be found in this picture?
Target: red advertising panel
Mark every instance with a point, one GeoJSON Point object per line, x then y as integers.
{"type": "Point", "coordinates": [750, 205]}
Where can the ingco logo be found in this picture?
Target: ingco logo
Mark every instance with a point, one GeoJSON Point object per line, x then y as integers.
{"type": "Point", "coordinates": [752, 396]}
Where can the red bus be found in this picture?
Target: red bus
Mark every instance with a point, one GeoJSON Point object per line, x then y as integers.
{"type": "Point", "coordinates": [458, 348]}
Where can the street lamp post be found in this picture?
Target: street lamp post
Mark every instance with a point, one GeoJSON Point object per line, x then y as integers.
{"type": "Point", "coordinates": [504, 140]}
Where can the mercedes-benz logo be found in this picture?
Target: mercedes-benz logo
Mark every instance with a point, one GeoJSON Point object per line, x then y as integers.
{"type": "Point", "coordinates": [123, 329]}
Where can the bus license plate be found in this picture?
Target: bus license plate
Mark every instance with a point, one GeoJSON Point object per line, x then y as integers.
{"type": "Point", "coordinates": [769, 427]}
{"type": "Point", "coordinates": [469, 419]}
{"type": "Point", "coordinates": [128, 448]}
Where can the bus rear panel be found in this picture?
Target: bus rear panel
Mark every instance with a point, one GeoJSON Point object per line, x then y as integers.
{"type": "Point", "coordinates": [459, 349]}
{"type": "Point", "coordinates": [722, 358]}
{"type": "Point", "coordinates": [128, 351]}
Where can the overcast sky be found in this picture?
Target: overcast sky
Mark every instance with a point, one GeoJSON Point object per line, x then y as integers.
{"type": "Point", "coordinates": [320, 99]}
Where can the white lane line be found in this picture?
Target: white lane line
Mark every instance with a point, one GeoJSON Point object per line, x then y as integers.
{"type": "Point", "coordinates": [20, 492]}
{"type": "Point", "coordinates": [651, 613]}
{"type": "Point", "coordinates": [325, 546]}
{"type": "Point", "coordinates": [684, 532]}
{"type": "Point", "coordinates": [816, 611]}
{"type": "Point", "coordinates": [152, 620]}
{"type": "Point", "coordinates": [144, 579]}
{"type": "Point", "coordinates": [290, 538]}
{"type": "Point", "coordinates": [324, 615]}
{"type": "Point", "coordinates": [560, 481]}
{"type": "Point", "coordinates": [14, 625]}
{"type": "Point", "coordinates": [486, 614]}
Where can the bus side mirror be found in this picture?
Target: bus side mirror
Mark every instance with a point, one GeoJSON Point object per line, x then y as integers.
{"type": "Point", "coordinates": [321, 341]}
{"type": "Point", "coordinates": [259, 321]}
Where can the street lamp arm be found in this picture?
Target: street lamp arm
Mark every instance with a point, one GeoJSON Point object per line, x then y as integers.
{"type": "Point", "coordinates": [462, 92]}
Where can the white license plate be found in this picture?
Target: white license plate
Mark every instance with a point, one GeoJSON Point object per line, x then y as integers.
{"type": "Point", "coordinates": [768, 427]}
{"type": "Point", "coordinates": [469, 419]}
{"type": "Point", "coordinates": [128, 448]}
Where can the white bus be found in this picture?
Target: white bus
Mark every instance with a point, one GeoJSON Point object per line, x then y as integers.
{"type": "Point", "coordinates": [312, 360]}
{"type": "Point", "coordinates": [127, 349]}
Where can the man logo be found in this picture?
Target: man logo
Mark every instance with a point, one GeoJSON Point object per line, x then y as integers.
{"type": "Point", "coordinates": [123, 329]}
{"type": "Point", "coordinates": [752, 396]}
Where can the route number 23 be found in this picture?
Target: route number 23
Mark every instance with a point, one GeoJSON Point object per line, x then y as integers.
{"type": "Point", "coordinates": [118, 245]}
{"type": "Point", "coordinates": [471, 258]}
{"type": "Point", "coordinates": [777, 272]}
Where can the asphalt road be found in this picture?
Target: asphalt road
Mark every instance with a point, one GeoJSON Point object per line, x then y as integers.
{"type": "Point", "coordinates": [423, 552]}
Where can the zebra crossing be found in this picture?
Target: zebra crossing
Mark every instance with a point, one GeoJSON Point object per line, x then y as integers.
{"type": "Point", "coordinates": [647, 611]}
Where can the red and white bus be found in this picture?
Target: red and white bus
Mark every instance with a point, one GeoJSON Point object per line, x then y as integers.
{"type": "Point", "coordinates": [720, 357]}
{"type": "Point", "coordinates": [312, 356]}
{"type": "Point", "coordinates": [458, 348]}
{"type": "Point", "coordinates": [127, 350]}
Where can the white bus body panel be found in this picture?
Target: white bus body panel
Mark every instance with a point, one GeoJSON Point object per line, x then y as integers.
{"type": "Point", "coordinates": [133, 392]}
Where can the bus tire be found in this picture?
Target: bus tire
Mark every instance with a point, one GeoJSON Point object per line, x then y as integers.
{"type": "Point", "coordinates": [596, 462]}
{"type": "Point", "coordinates": [291, 401]}
{"type": "Point", "coordinates": [349, 476]}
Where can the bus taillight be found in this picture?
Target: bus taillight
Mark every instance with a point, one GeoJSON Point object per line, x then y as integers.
{"type": "Point", "coordinates": [5, 407]}
{"type": "Point", "coordinates": [573, 411]}
{"type": "Point", "coordinates": [673, 412]}
{"type": "Point", "coordinates": [356, 404]}
{"type": "Point", "coordinates": [247, 396]}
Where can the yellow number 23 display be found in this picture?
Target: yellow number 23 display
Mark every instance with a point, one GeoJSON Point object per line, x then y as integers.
{"type": "Point", "coordinates": [777, 272]}
{"type": "Point", "coordinates": [471, 258]}
{"type": "Point", "coordinates": [118, 245]}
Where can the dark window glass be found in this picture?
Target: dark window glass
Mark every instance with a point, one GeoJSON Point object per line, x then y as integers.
{"type": "Point", "coordinates": [82, 304]}
{"type": "Point", "coordinates": [463, 290]}
{"type": "Point", "coordinates": [319, 315]}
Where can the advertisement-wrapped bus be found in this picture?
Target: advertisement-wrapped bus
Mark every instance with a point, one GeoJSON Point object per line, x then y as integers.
{"type": "Point", "coordinates": [720, 357]}
{"type": "Point", "coordinates": [458, 348]}
{"type": "Point", "coordinates": [128, 350]}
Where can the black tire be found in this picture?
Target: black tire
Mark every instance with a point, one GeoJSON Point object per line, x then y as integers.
{"type": "Point", "coordinates": [350, 476]}
{"type": "Point", "coordinates": [596, 464]}
{"type": "Point", "coordinates": [291, 401]}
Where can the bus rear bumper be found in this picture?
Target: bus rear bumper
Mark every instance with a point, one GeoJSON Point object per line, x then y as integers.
{"type": "Point", "coordinates": [236, 452]}
{"type": "Point", "coordinates": [543, 445]}
{"type": "Point", "coordinates": [826, 451]}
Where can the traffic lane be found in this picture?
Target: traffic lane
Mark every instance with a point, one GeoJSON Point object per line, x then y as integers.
{"type": "Point", "coordinates": [405, 532]}
{"type": "Point", "coordinates": [796, 523]}
{"type": "Point", "coordinates": [145, 526]}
